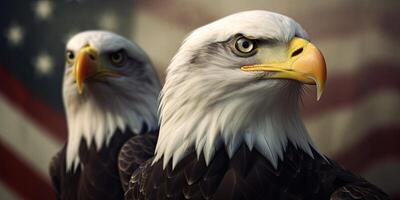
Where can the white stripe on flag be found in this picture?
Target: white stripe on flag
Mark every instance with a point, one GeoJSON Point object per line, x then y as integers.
{"type": "Point", "coordinates": [6, 193]}
{"type": "Point", "coordinates": [26, 138]}
{"type": "Point", "coordinates": [349, 54]}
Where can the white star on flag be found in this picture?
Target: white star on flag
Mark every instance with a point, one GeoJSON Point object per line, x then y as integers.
{"type": "Point", "coordinates": [44, 64]}
{"type": "Point", "coordinates": [15, 35]}
{"type": "Point", "coordinates": [43, 9]}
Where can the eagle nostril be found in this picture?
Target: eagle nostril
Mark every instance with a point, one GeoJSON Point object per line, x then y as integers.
{"type": "Point", "coordinates": [92, 57]}
{"type": "Point", "coordinates": [297, 52]}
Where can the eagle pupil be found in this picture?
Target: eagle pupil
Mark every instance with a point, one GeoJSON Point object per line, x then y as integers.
{"type": "Point", "coordinates": [70, 55]}
{"type": "Point", "coordinates": [244, 47]}
{"type": "Point", "coordinates": [245, 44]}
{"type": "Point", "coordinates": [118, 57]}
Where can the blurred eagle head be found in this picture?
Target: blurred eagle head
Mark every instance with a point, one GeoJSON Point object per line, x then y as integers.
{"type": "Point", "coordinates": [109, 83]}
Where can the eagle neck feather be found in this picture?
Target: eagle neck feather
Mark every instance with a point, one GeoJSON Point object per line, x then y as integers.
{"type": "Point", "coordinates": [95, 120]}
{"type": "Point", "coordinates": [261, 123]}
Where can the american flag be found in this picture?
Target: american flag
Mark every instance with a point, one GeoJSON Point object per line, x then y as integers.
{"type": "Point", "coordinates": [357, 121]}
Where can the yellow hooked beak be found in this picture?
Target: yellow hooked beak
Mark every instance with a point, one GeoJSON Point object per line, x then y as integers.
{"type": "Point", "coordinates": [304, 63]}
{"type": "Point", "coordinates": [88, 66]}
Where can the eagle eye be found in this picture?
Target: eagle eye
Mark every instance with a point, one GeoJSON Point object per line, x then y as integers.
{"type": "Point", "coordinates": [69, 56]}
{"type": "Point", "coordinates": [244, 47]}
{"type": "Point", "coordinates": [118, 58]}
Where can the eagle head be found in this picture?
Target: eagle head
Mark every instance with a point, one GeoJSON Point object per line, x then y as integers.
{"type": "Point", "coordinates": [238, 81]}
{"type": "Point", "coordinates": [109, 84]}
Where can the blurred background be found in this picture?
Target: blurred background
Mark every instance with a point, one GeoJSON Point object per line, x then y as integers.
{"type": "Point", "coordinates": [357, 121]}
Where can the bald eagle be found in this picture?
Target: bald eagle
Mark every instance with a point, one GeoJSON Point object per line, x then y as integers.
{"type": "Point", "coordinates": [229, 119]}
{"type": "Point", "coordinates": [110, 92]}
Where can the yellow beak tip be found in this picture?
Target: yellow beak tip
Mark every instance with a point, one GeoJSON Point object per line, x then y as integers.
{"type": "Point", "coordinates": [320, 90]}
{"type": "Point", "coordinates": [319, 97]}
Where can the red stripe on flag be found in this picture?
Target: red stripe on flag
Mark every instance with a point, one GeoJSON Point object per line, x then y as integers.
{"type": "Point", "coordinates": [22, 179]}
{"type": "Point", "coordinates": [378, 145]}
{"type": "Point", "coordinates": [32, 106]}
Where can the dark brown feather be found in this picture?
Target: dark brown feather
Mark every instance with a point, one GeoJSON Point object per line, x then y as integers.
{"type": "Point", "coordinates": [97, 177]}
{"type": "Point", "coordinates": [54, 171]}
{"type": "Point", "coordinates": [352, 192]}
{"type": "Point", "coordinates": [248, 175]}
{"type": "Point", "coordinates": [134, 152]}
{"type": "Point", "coordinates": [354, 187]}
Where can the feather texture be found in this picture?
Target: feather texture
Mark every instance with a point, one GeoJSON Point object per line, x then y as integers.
{"type": "Point", "coordinates": [249, 175]}
{"type": "Point", "coordinates": [133, 153]}
{"type": "Point", "coordinates": [97, 178]}
{"type": "Point", "coordinates": [206, 90]}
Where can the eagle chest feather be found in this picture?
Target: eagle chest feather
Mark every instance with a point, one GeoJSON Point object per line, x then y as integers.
{"type": "Point", "coordinates": [98, 177]}
{"type": "Point", "coordinates": [247, 175]}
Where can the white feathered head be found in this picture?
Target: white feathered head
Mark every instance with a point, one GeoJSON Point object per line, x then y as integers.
{"type": "Point", "coordinates": [238, 80]}
{"type": "Point", "coordinates": [109, 84]}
